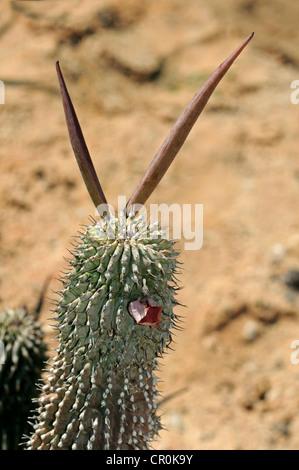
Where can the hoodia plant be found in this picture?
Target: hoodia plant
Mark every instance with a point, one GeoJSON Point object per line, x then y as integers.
{"type": "Point", "coordinates": [115, 312]}
{"type": "Point", "coordinates": [23, 353]}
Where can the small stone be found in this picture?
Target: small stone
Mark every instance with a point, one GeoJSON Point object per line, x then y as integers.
{"type": "Point", "coordinates": [250, 367]}
{"type": "Point", "coordinates": [174, 420]}
{"type": "Point", "coordinates": [255, 393]}
{"type": "Point", "coordinates": [278, 252]}
{"type": "Point", "coordinates": [282, 427]}
{"type": "Point", "coordinates": [291, 279]}
{"type": "Point", "coordinates": [137, 61]}
{"type": "Point", "coordinates": [251, 331]}
{"type": "Point", "coordinates": [264, 312]}
{"type": "Point", "coordinates": [210, 343]}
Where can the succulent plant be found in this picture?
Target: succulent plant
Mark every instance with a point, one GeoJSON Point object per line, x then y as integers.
{"type": "Point", "coordinates": [23, 353]}
{"type": "Point", "coordinates": [115, 312]}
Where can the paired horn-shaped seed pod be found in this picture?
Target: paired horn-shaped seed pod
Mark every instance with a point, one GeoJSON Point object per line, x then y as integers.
{"type": "Point", "coordinates": [115, 312]}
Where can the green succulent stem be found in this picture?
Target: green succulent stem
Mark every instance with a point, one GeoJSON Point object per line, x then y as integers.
{"type": "Point", "coordinates": [22, 361]}
{"type": "Point", "coordinates": [101, 391]}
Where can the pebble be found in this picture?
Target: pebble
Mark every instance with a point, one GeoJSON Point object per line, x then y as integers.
{"type": "Point", "coordinates": [136, 60]}
{"type": "Point", "coordinates": [173, 420]}
{"type": "Point", "coordinates": [278, 252]}
{"type": "Point", "coordinates": [251, 331]}
{"type": "Point", "coordinates": [291, 279]}
{"type": "Point", "coordinates": [210, 343]}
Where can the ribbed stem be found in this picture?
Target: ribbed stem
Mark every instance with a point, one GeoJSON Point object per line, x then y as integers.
{"type": "Point", "coordinates": [101, 391]}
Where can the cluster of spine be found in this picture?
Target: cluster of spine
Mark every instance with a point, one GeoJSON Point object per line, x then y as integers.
{"type": "Point", "coordinates": [23, 353]}
{"type": "Point", "coordinates": [101, 391]}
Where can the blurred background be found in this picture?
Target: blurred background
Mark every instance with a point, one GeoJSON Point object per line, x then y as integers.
{"type": "Point", "coordinates": [131, 67]}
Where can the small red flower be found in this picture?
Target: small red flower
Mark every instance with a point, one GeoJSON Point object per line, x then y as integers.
{"type": "Point", "coordinates": [146, 312]}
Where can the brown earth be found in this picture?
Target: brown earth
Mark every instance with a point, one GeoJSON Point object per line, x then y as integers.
{"type": "Point", "coordinates": [131, 67]}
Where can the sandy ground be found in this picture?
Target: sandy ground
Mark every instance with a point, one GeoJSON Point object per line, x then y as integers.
{"type": "Point", "coordinates": [131, 68]}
